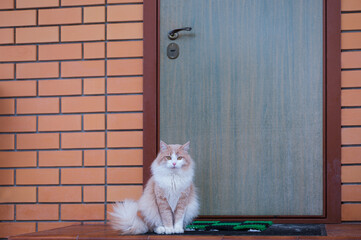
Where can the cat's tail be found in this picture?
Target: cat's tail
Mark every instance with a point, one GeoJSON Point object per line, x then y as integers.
{"type": "Point", "coordinates": [124, 218]}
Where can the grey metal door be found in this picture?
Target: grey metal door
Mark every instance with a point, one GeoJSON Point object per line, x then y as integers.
{"type": "Point", "coordinates": [247, 91]}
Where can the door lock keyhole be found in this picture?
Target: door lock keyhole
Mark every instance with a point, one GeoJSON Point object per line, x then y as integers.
{"type": "Point", "coordinates": [173, 51]}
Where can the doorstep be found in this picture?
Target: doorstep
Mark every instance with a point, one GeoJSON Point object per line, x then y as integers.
{"type": "Point", "coordinates": [104, 231]}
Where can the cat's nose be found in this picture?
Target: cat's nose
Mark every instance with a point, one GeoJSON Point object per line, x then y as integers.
{"type": "Point", "coordinates": [174, 164]}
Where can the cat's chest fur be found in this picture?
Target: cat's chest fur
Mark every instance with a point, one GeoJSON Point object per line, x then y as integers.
{"type": "Point", "coordinates": [173, 185]}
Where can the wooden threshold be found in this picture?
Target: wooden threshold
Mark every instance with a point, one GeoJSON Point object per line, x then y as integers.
{"type": "Point", "coordinates": [101, 231]}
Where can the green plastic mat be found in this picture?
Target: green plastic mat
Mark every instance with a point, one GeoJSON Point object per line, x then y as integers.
{"type": "Point", "coordinates": [257, 226]}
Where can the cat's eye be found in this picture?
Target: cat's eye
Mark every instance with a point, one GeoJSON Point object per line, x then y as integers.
{"type": "Point", "coordinates": [179, 158]}
{"type": "Point", "coordinates": [168, 157]}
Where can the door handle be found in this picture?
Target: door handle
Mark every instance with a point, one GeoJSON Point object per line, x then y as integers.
{"type": "Point", "coordinates": [173, 35]}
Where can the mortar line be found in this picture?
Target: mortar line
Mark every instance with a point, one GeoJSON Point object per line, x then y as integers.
{"type": "Point", "coordinates": [106, 113]}
{"type": "Point", "coordinates": [82, 15]}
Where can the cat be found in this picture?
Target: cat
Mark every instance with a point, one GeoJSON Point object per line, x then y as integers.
{"type": "Point", "coordinates": [169, 201]}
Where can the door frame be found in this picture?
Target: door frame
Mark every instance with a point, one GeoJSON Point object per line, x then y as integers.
{"type": "Point", "coordinates": [331, 112]}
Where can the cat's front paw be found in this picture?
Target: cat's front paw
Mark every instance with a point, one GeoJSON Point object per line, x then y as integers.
{"type": "Point", "coordinates": [159, 230]}
{"type": "Point", "coordinates": [178, 229]}
{"type": "Point", "coordinates": [169, 230]}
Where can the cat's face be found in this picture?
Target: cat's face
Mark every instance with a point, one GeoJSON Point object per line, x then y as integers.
{"type": "Point", "coordinates": [174, 156]}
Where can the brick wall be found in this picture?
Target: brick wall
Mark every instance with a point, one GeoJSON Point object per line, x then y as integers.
{"type": "Point", "coordinates": [351, 109]}
{"type": "Point", "coordinates": [71, 110]}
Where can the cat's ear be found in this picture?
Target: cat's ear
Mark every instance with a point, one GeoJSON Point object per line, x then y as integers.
{"type": "Point", "coordinates": [163, 146]}
{"type": "Point", "coordinates": [185, 147]}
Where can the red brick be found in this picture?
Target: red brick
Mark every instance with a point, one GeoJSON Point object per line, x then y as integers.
{"type": "Point", "coordinates": [7, 71]}
{"type": "Point", "coordinates": [37, 105]}
{"type": "Point", "coordinates": [351, 155]}
{"type": "Point", "coordinates": [60, 158]}
{"type": "Point", "coordinates": [94, 122]}
{"type": "Point", "coordinates": [83, 104]}
{"type": "Point", "coordinates": [18, 124]}
{"type": "Point", "coordinates": [60, 194]}
{"type": "Point", "coordinates": [94, 193]}
{"type": "Point", "coordinates": [94, 14]}
{"type": "Point", "coordinates": [38, 141]}
{"type": "Point", "coordinates": [17, 159]}
{"type": "Point", "coordinates": [60, 123]}
{"type": "Point", "coordinates": [121, 31]}
{"type": "Point", "coordinates": [83, 33]}
{"type": "Point", "coordinates": [351, 21]}
{"type": "Point", "coordinates": [350, 212]}
{"type": "Point", "coordinates": [60, 16]}
{"type": "Point", "coordinates": [123, 13]}
{"type": "Point", "coordinates": [17, 53]}
{"type": "Point", "coordinates": [350, 97]}
{"type": "Point", "coordinates": [6, 177]}
{"type": "Point", "coordinates": [351, 116]}
{"type": "Point", "coordinates": [7, 142]}
{"type": "Point", "coordinates": [119, 193]}
{"type": "Point", "coordinates": [125, 103]}
{"type": "Point", "coordinates": [6, 4]}
{"type": "Point", "coordinates": [60, 87]}
{"type": "Point", "coordinates": [125, 121]}
{"type": "Point", "coordinates": [351, 174]}
{"type": "Point", "coordinates": [8, 229]}
{"type": "Point", "coordinates": [7, 106]}
{"type": "Point", "coordinates": [351, 135]}
{"type": "Point", "coordinates": [125, 157]}
{"type": "Point", "coordinates": [36, 3]}
{"type": "Point", "coordinates": [17, 88]}
{"type": "Point", "coordinates": [351, 59]}
{"type": "Point", "coordinates": [37, 212]}
{"type": "Point", "coordinates": [351, 193]}
{"type": "Point", "coordinates": [125, 49]}
{"type": "Point", "coordinates": [349, 79]}
{"type": "Point", "coordinates": [17, 194]}
{"type": "Point", "coordinates": [81, 2]}
{"type": "Point", "coordinates": [351, 40]}
{"type": "Point", "coordinates": [83, 68]}
{"type": "Point", "coordinates": [17, 18]}
{"type": "Point", "coordinates": [94, 50]}
{"type": "Point", "coordinates": [83, 176]}
{"type": "Point", "coordinates": [94, 86]}
{"type": "Point", "coordinates": [125, 139]}
{"type": "Point", "coordinates": [94, 158]}
{"type": "Point", "coordinates": [125, 85]}
{"type": "Point", "coordinates": [82, 212]}
{"type": "Point", "coordinates": [125, 175]}
{"type": "Point", "coordinates": [125, 67]}
{"type": "Point", "coordinates": [37, 176]}
{"type": "Point", "coordinates": [60, 51]}
{"type": "Point", "coordinates": [37, 35]}
{"type": "Point", "coordinates": [6, 35]}
{"type": "Point", "coordinates": [37, 70]}
{"type": "Point", "coordinates": [6, 212]}
{"type": "Point", "coordinates": [83, 140]}
{"type": "Point", "coordinates": [350, 5]}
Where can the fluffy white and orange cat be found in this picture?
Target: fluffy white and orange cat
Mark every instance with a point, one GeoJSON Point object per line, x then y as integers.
{"type": "Point", "coordinates": [169, 201]}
